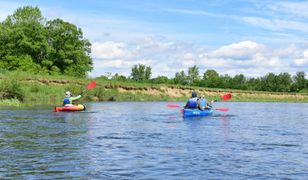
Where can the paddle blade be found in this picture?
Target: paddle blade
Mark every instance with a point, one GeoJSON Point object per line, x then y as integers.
{"type": "Point", "coordinates": [91, 85]}
{"type": "Point", "coordinates": [222, 109]}
{"type": "Point", "coordinates": [226, 97]}
{"type": "Point", "coordinates": [173, 106]}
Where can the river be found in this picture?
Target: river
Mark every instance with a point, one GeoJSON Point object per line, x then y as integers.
{"type": "Point", "coordinates": [147, 140]}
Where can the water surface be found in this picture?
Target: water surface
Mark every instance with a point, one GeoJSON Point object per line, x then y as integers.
{"type": "Point", "coordinates": [147, 140]}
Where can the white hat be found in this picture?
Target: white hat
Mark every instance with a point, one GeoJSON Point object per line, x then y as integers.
{"type": "Point", "coordinates": [68, 94]}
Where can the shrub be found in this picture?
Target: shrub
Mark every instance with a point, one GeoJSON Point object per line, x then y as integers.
{"type": "Point", "coordinates": [11, 89]}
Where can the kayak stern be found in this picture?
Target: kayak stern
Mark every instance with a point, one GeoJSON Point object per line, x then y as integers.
{"type": "Point", "coordinates": [196, 112]}
{"type": "Point", "coordinates": [77, 107]}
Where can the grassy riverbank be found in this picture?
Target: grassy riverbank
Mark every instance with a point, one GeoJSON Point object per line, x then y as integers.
{"type": "Point", "coordinates": [20, 89]}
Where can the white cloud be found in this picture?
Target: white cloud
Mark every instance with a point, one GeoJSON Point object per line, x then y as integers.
{"type": "Point", "coordinates": [303, 61]}
{"type": "Point", "coordinates": [188, 59]}
{"type": "Point", "coordinates": [121, 43]}
{"type": "Point", "coordinates": [306, 54]}
{"type": "Point", "coordinates": [244, 49]}
{"type": "Point", "coordinates": [109, 50]}
{"type": "Point", "coordinates": [276, 24]}
{"type": "Point", "coordinates": [300, 62]}
{"type": "Point", "coordinates": [194, 12]}
{"type": "Point", "coordinates": [167, 57]}
{"type": "Point", "coordinates": [295, 8]}
{"type": "Point", "coordinates": [121, 63]}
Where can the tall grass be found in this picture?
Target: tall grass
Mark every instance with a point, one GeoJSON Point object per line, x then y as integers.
{"type": "Point", "coordinates": [11, 89]}
{"type": "Point", "coordinates": [10, 102]}
{"type": "Point", "coordinates": [21, 88]}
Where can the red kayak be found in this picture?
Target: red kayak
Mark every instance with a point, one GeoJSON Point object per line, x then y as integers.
{"type": "Point", "coordinates": [75, 107]}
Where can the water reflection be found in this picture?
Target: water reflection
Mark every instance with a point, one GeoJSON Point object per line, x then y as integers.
{"type": "Point", "coordinates": [40, 142]}
{"type": "Point", "coordinates": [131, 140]}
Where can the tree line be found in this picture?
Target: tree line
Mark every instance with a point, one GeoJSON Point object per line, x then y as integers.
{"type": "Point", "coordinates": [283, 82]}
{"type": "Point", "coordinates": [29, 42]}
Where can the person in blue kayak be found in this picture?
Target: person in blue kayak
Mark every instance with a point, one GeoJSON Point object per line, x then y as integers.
{"type": "Point", "coordinates": [197, 103]}
{"type": "Point", "coordinates": [68, 100]}
{"type": "Point", "coordinates": [203, 105]}
{"type": "Point", "coordinates": [193, 102]}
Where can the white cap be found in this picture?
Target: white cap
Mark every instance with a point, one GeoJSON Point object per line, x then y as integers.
{"type": "Point", "coordinates": [67, 93]}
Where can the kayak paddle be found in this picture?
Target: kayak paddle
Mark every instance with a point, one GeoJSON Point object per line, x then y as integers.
{"type": "Point", "coordinates": [226, 97]}
{"type": "Point", "coordinates": [222, 109]}
{"type": "Point", "coordinates": [223, 98]}
{"type": "Point", "coordinates": [89, 86]}
{"type": "Point", "coordinates": [177, 106]}
{"type": "Point", "coordinates": [173, 106]}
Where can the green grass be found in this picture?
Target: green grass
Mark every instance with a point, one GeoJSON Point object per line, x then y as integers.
{"type": "Point", "coordinates": [10, 102]}
{"type": "Point", "coordinates": [21, 89]}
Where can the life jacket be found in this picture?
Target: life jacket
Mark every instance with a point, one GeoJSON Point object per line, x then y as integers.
{"type": "Point", "coordinates": [203, 103]}
{"type": "Point", "coordinates": [192, 103]}
{"type": "Point", "coordinates": [66, 101]}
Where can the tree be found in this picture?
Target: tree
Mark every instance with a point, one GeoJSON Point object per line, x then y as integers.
{"type": "Point", "coordinates": [226, 81]}
{"type": "Point", "coordinates": [211, 78]}
{"type": "Point", "coordinates": [239, 82]}
{"type": "Point", "coordinates": [118, 77]}
{"type": "Point", "coordinates": [193, 75]}
{"type": "Point", "coordinates": [254, 84]}
{"type": "Point", "coordinates": [269, 82]}
{"type": "Point", "coordinates": [180, 78]}
{"type": "Point", "coordinates": [299, 81]}
{"type": "Point", "coordinates": [284, 82]}
{"type": "Point", "coordinates": [148, 72]}
{"type": "Point", "coordinates": [23, 42]}
{"type": "Point", "coordinates": [160, 80]}
{"type": "Point", "coordinates": [141, 72]}
{"type": "Point", "coordinates": [70, 51]}
{"type": "Point", "coordinates": [29, 43]}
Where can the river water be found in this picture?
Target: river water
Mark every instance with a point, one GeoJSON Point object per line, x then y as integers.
{"type": "Point", "coordinates": [147, 140]}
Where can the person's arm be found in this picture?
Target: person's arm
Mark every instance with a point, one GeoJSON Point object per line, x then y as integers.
{"type": "Point", "coordinates": [210, 104]}
{"type": "Point", "coordinates": [199, 103]}
{"type": "Point", "coordinates": [75, 98]}
{"type": "Point", "coordinates": [186, 105]}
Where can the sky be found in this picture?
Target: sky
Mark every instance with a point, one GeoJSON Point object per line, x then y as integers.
{"type": "Point", "coordinates": [252, 37]}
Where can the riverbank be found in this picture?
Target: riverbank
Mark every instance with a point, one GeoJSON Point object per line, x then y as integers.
{"type": "Point", "coordinates": [31, 89]}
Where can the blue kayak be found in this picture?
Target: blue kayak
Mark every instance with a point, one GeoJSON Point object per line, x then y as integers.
{"type": "Point", "coordinates": [196, 112]}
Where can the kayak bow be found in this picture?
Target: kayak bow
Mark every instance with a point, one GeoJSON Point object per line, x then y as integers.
{"type": "Point", "coordinates": [196, 112]}
{"type": "Point", "coordinates": [75, 107]}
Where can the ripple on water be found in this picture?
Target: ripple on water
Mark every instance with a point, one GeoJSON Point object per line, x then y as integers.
{"type": "Point", "coordinates": [145, 140]}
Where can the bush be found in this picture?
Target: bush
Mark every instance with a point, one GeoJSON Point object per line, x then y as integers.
{"type": "Point", "coordinates": [11, 89]}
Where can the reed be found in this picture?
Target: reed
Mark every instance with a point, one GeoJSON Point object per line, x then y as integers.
{"type": "Point", "coordinates": [21, 88]}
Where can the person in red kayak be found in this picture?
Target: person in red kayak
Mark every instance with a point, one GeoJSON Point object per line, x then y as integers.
{"type": "Point", "coordinates": [68, 100]}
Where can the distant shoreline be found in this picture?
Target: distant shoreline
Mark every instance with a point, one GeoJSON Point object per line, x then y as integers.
{"type": "Point", "coordinates": [41, 89]}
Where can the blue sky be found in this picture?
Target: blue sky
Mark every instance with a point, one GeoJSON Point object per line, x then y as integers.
{"type": "Point", "coordinates": [231, 36]}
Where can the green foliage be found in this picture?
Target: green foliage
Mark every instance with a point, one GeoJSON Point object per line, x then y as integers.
{"type": "Point", "coordinates": [11, 89]}
{"type": "Point", "coordinates": [70, 53]}
{"type": "Point", "coordinates": [160, 80]}
{"type": "Point", "coordinates": [211, 78]}
{"type": "Point", "coordinates": [299, 81]}
{"type": "Point", "coordinates": [118, 77]}
{"type": "Point", "coordinates": [304, 90]}
{"type": "Point", "coordinates": [193, 75]}
{"type": "Point", "coordinates": [180, 78]}
{"type": "Point", "coordinates": [270, 82]}
{"type": "Point", "coordinates": [239, 82]}
{"type": "Point", "coordinates": [46, 89]}
{"type": "Point", "coordinates": [29, 43]}
{"type": "Point", "coordinates": [141, 72]}
{"type": "Point", "coordinates": [10, 102]}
